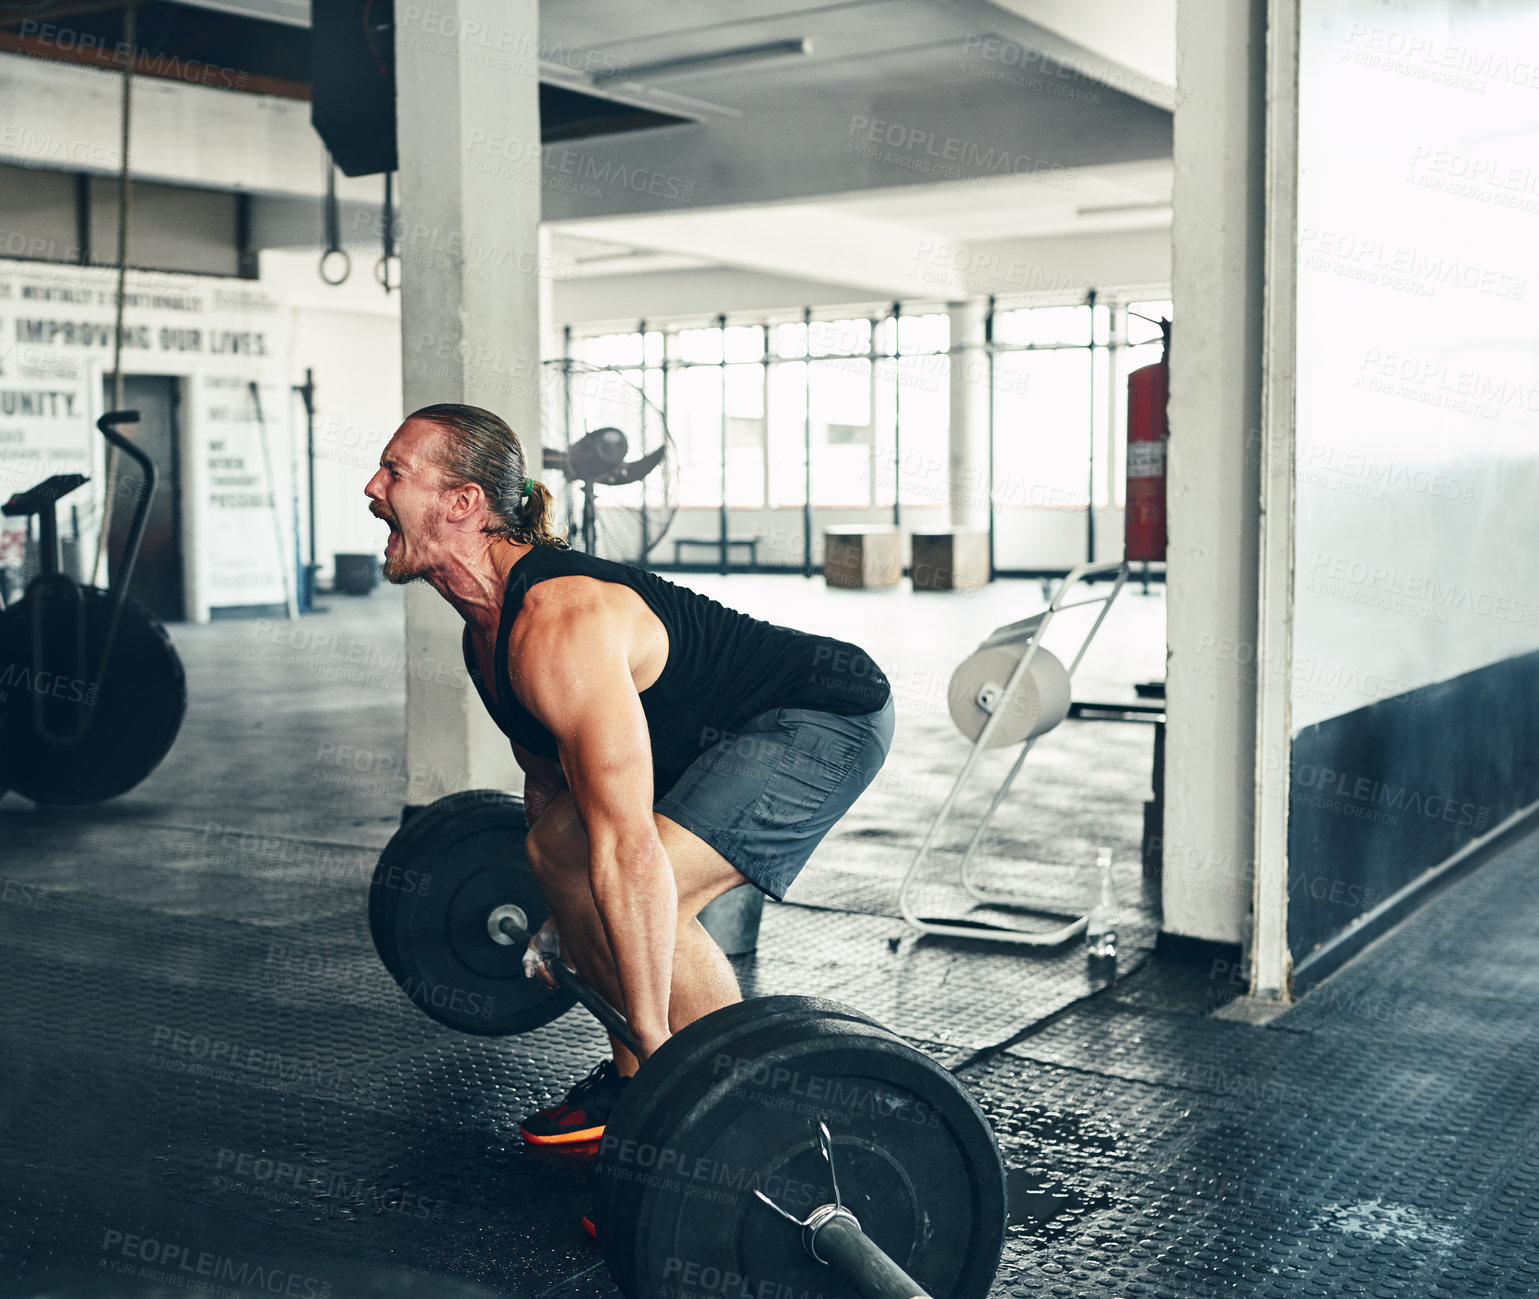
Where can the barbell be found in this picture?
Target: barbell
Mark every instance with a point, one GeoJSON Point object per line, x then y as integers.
{"type": "Point", "coordinates": [778, 1142]}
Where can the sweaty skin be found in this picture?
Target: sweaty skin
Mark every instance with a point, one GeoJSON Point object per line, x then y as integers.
{"type": "Point", "coordinates": [580, 653]}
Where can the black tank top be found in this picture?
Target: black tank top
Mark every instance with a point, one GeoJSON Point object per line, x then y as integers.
{"type": "Point", "coordinates": [723, 667]}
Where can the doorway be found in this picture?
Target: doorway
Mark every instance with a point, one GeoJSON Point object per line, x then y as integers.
{"type": "Point", "coordinates": [158, 579]}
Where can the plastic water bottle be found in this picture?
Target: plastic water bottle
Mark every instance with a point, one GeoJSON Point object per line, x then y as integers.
{"type": "Point", "coordinates": [1101, 926]}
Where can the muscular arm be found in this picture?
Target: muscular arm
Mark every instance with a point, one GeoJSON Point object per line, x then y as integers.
{"type": "Point", "coordinates": [543, 780]}
{"type": "Point", "coordinates": [571, 667]}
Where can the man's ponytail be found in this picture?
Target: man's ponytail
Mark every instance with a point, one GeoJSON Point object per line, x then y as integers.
{"type": "Point", "coordinates": [535, 516]}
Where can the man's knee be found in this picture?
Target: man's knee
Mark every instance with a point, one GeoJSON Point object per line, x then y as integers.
{"type": "Point", "coordinates": [548, 847]}
{"type": "Point", "coordinates": [693, 901]}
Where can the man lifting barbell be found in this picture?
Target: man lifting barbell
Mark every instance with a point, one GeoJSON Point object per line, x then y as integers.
{"type": "Point", "coordinates": [672, 748]}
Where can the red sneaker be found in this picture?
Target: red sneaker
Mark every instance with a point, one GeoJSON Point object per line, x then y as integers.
{"type": "Point", "coordinates": [582, 1115]}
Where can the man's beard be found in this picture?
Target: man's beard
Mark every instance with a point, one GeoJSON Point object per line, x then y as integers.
{"type": "Point", "coordinates": [398, 576]}
{"type": "Point", "coordinates": [391, 569]}
{"type": "Point", "coordinates": [397, 573]}
{"type": "Point", "coordinates": [395, 568]}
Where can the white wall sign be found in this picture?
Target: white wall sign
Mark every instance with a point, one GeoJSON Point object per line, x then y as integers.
{"type": "Point", "coordinates": [217, 337]}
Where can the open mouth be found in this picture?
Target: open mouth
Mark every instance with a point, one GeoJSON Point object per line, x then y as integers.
{"type": "Point", "coordinates": [394, 541]}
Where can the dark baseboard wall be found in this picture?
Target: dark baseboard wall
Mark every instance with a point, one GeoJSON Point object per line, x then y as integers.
{"type": "Point", "coordinates": [1389, 801]}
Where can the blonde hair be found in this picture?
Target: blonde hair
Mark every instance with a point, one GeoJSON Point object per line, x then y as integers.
{"type": "Point", "coordinates": [483, 450]}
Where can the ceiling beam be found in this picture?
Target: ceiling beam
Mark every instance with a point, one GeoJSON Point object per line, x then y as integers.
{"type": "Point", "coordinates": [1128, 47]}
{"type": "Point", "coordinates": [801, 241]}
{"type": "Point", "coordinates": [294, 13]}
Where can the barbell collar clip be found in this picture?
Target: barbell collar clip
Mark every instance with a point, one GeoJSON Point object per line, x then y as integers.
{"type": "Point", "coordinates": [820, 1218]}
{"type": "Point", "coordinates": [850, 1252]}
{"type": "Point", "coordinates": [510, 936]}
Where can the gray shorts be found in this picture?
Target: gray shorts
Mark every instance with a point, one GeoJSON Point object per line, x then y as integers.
{"type": "Point", "coordinates": [765, 796]}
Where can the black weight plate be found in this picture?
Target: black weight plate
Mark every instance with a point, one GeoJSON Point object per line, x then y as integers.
{"type": "Point", "coordinates": [672, 1083]}
{"type": "Point", "coordinates": [681, 1055]}
{"type": "Point", "coordinates": [794, 1099]}
{"type": "Point", "coordinates": [672, 1075]}
{"type": "Point", "coordinates": [917, 1164]}
{"type": "Point", "coordinates": [141, 700]}
{"type": "Point", "coordinates": [437, 881]}
{"type": "Point", "coordinates": [398, 852]}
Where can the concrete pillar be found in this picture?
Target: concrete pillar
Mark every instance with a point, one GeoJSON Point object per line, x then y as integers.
{"type": "Point", "coordinates": [550, 335]}
{"type": "Point", "coordinates": [969, 436]}
{"type": "Point", "coordinates": [470, 314]}
{"type": "Point", "coordinates": [1213, 486]}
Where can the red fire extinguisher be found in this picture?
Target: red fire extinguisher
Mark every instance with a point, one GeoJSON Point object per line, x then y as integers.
{"type": "Point", "coordinates": [1148, 432]}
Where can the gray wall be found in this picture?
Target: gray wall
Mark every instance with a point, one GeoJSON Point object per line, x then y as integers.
{"type": "Point", "coordinates": [1418, 352]}
{"type": "Point", "coordinates": [1416, 563]}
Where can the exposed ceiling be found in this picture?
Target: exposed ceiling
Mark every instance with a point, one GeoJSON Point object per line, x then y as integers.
{"type": "Point", "coordinates": [962, 78]}
{"type": "Point", "coordinates": [842, 143]}
{"type": "Point", "coordinates": [1127, 45]}
{"type": "Point", "coordinates": [928, 241]}
{"type": "Point", "coordinates": [1116, 39]}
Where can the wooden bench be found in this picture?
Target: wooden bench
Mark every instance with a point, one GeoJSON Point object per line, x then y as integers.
{"type": "Point", "coordinates": [750, 543]}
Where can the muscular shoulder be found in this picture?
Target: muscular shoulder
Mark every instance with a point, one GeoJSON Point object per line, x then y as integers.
{"type": "Point", "coordinates": [567, 624]}
{"type": "Point", "coordinates": [560, 606]}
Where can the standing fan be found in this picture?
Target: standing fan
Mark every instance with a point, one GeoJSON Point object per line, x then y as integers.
{"type": "Point", "coordinates": [610, 461]}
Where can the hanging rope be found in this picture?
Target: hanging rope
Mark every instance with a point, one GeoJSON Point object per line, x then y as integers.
{"type": "Point", "coordinates": [388, 261]}
{"type": "Point", "coordinates": [130, 39]}
{"type": "Point", "coordinates": [331, 272]}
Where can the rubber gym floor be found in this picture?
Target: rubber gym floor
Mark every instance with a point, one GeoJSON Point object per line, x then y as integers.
{"type": "Point", "coordinates": [1377, 1139]}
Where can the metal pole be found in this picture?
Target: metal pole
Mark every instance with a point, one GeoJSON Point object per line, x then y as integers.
{"type": "Point", "coordinates": [387, 235]}
{"type": "Point", "coordinates": [897, 421]}
{"type": "Point", "coordinates": [125, 207]}
{"type": "Point", "coordinates": [1116, 409]}
{"type": "Point", "coordinates": [988, 346]}
{"type": "Point", "coordinates": [566, 422]}
{"type": "Point", "coordinates": [315, 568]}
{"type": "Point", "coordinates": [82, 219]}
{"type": "Point", "coordinates": [807, 448]}
{"type": "Point", "coordinates": [868, 355]}
{"type": "Point", "coordinates": [662, 369]}
{"type": "Point", "coordinates": [764, 439]}
{"type": "Point", "coordinates": [872, 357]}
{"type": "Point", "coordinates": [290, 603]}
{"type": "Point", "coordinates": [721, 325]}
{"type": "Point", "coordinates": [1090, 458]}
{"type": "Point", "coordinates": [301, 592]}
{"type": "Point", "coordinates": [641, 329]}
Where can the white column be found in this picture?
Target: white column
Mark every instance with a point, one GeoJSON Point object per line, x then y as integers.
{"type": "Point", "coordinates": [1270, 958]}
{"type": "Point", "coordinates": [1213, 486]}
{"type": "Point", "coordinates": [469, 132]}
{"type": "Point", "coordinates": [969, 435]}
{"type": "Point", "coordinates": [1116, 414]}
